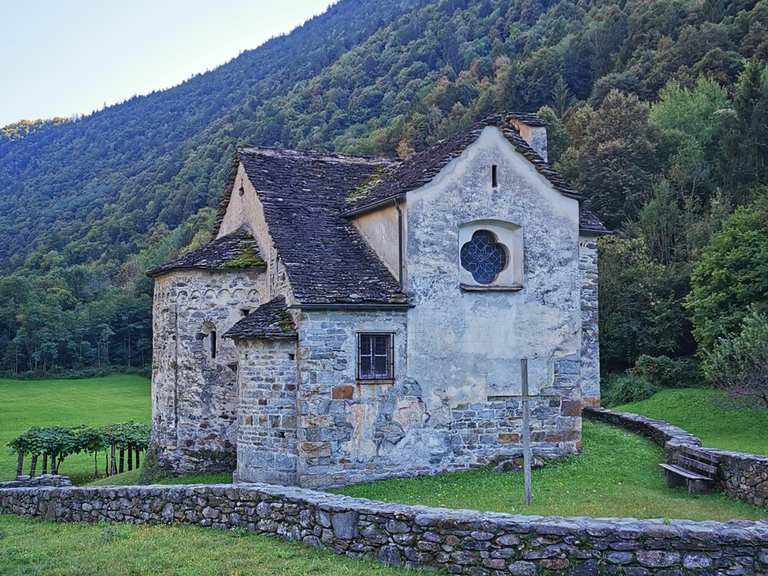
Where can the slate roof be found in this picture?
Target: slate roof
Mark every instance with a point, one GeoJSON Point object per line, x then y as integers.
{"type": "Point", "coordinates": [422, 167]}
{"type": "Point", "coordinates": [530, 119]}
{"type": "Point", "coordinates": [308, 198]}
{"type": "Point", "coordinates": [304, 197]}
{"type": "Point", "coordinates": [590, 224]}
{"type": "Point", "coordinates": [216, 255]}
{"type": "Point", "coordinates": [270, 320]}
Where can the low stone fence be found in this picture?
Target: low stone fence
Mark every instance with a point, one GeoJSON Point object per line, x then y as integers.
{"type": "Point", "coordinates": [743, 476]}
{"type": "Point", "coordinates": [37, 481]}
{"type": "Point", "coordinates": [458, 541]}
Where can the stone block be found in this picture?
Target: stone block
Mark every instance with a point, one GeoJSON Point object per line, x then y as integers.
{"type": "Point", "coordinates": [345, 525]}
{"type": "Point", "coordinates": [570, 408]}
{"type": "Point", "coordinates": [345, 392]}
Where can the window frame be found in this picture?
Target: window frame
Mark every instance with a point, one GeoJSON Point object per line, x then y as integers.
{"type": "Point", "coordinates": [390, 361]}
{"type": "Point", "coordinates": [510, 237]}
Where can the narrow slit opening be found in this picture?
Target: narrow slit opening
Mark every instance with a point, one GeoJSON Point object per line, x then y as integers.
{"type": "Point", "coordinates": [494, 176]}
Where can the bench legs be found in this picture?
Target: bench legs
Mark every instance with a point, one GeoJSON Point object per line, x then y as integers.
{"type": "Point", "coordinates": [699, 486]}
{"type": "Point", "coordinates": [694, 486]}
{"type": "Point", "coordinates": [674, 480]}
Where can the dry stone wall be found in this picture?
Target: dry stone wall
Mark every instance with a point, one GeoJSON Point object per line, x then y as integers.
{"type": "Point", "coordinates": [457, 541]}
{"type": "Point", "coordinates": [743, 476]}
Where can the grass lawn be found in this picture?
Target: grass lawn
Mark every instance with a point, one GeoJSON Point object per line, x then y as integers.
{"type": "Point", "coordinates": [31, 547]}
{"type": "Point", "coordinates": [93, 401]}
{"type": "Point", "coordinates": [711, 416]}
{"type": "Point", "coordinates": [132, 477]}
{"type": "Point", "coordinates": [616, 475]}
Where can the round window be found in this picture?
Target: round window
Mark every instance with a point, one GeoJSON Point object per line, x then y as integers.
{"type": "Point", "coordinates": [483, 257]}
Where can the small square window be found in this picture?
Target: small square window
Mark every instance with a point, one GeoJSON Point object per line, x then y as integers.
{"type": "Point", "coordinates": [375, 360]}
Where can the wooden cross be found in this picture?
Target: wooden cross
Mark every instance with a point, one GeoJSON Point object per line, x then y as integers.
{"type": "Point", "coordinates": [526, 433]}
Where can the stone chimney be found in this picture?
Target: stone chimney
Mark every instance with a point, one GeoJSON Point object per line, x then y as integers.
{"type": "Point", "coordinates": [533, 130]}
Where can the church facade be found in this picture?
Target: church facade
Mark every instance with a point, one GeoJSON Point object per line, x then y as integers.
{"type": "Point", "coordinates": [357, 318]}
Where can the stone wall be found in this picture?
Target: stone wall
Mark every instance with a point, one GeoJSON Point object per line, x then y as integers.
{"type": "Point", "coordinates": [743, 476]}
{"type": "Point", "coordinates": [458, 541]}
{"type": "Point", "coordinates": [349, 431]}
{"type": "Point", "coordinates": [194, 396]}
{"type": "Point", "coordinates": [590, 341]}
{"type": "Point", "coordinates": [25, 481]}
{"type": "Point", "coordinates": [266, 440]}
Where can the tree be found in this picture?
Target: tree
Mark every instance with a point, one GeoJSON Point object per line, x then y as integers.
{"type": "Point", "coordinates": [730, 276]}
{"type": "Point", "coordinates": [612, 156]}
{"type": "Point", "coordinates": [690, 122]}
{"type": "Point", "coordinates": [744, 153]}
{"type": "Point", "coordinates": [661, 223]}
{"type": "Point", "coordinates": [738, 363]}
{"type": "Point", "coordinates": [640, 305]}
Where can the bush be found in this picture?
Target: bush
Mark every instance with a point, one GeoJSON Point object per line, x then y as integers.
{"type": "Point", "coordinates": [666, 372]}
{"type": "Point", "coordinates": [625, 388]}
{"type": "Point", "coordinates": [738, 364]}
{"type": "Point", "coordinates": [730, 277]}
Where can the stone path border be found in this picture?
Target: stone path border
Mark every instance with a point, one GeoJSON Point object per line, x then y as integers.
{"type": "Point", "coordinates": [741, 475]}
{"type": "Point", "coordinates": [458, 541]}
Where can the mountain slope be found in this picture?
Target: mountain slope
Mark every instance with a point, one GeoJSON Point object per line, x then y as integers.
{"type": "Point", "coordinates": [89, 204]}
{"type": "Point", "coordinates": [68, 183]}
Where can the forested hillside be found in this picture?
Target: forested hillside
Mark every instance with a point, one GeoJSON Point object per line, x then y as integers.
{"type": "Point", "coordinates": [657, 112]}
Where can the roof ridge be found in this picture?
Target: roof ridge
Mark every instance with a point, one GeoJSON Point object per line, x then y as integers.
{"type": "Point", "coordinates": [315, 155]}
{"type": "Point", "coordinates": [420, 168]}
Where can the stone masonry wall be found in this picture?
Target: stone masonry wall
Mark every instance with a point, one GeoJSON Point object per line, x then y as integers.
{"type": "Point", "coordinates": [349, 432]}
{"type": "Point", "coordinates": [457, 541]}
{"type": "Point", "coordinates": [266, 440]}
{"type": "Point", "coordinates": [743, 476]}
{"type": "Point", "coordinates": [194, 396]}
{"type": "Point", "coordinates": [590, 341]}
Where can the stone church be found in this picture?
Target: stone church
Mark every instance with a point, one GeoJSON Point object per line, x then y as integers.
{"type": "Point", "coordinates": [363, 318]}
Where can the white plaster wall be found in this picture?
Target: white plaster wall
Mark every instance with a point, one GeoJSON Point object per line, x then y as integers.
{"type": "Point", "coordinates": [465, 346]}
{"type": "Point", "coordinates": [380, 229]}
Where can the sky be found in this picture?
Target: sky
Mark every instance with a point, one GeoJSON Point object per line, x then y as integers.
{"type": "Point", "coordinates": [67, 57]}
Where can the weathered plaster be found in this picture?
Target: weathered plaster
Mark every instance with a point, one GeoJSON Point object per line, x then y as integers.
{"type": "Point", "coordinates": [380, 229]}
{"type": "Point", "coordinates": [466, 346]}
{"type": "Point", "coordinates": [245, 208]}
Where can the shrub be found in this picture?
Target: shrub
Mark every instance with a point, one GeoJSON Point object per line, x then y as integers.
{"type": "Point", "coordinates": [665, 372]}
{"type": "Point", "coordinates": [738, 364]}
{"type": "Point", "coordinates": [626, 388]}
{"type": "Point", "coordinates": [730, 277]}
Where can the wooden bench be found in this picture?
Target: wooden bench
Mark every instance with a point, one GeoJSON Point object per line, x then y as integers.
{"type": "Point", "coordinates": [693, 468]}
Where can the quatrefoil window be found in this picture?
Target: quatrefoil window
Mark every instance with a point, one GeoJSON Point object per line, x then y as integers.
{"type": "Point", "coordinates": [483, 256]}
